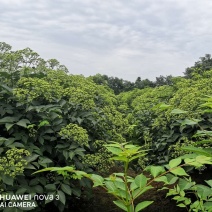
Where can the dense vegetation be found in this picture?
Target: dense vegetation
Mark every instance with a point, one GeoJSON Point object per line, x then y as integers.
{"type": "Point", "coordinates": [50, 118]}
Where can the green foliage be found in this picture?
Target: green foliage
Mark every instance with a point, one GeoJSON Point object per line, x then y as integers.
{"type": "Point", "coordinates": [203, 194]}
{"type": "Point", "coordinates": [185, 186]}
{"type": "Point", "coordinates": [127, 189]}
{"type": "Point", "coordinates": [201, 66]}
{"type": "Point", "coordinates": [65, 120]}
{"type": "Point", "coordinates": [74, 133]}
{"type": "Point", "coordinates": [58, 118]}
{"type": "Point", "coordinates": [116, 84]}
{"type": "Point", "coordinates": [189, 94]}
{"type": "Point", "coordinates": [119, 85]}
{"type": "Point", "coordinates": [204, 146]}
{"type": "Point", "coordinates": [99, 159]}
{"type": "Point", "coordinates": [163, 118]}
{"type": "Point", "coordinates": [14, 162]}
{"type": "Point", "coordinates": [177, 149]}
{"type": "Point", "coordinates": [123, 187]}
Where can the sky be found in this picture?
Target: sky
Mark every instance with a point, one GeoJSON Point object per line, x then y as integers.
{"type": "Point", "coordinates": [119, 38]}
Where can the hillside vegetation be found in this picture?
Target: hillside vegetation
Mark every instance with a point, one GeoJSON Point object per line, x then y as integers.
{"type": "Point", "coordinates": [51, 118]}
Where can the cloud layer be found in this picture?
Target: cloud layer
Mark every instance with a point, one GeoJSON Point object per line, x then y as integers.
{"type": "Point", "coordinates": [119, 38]}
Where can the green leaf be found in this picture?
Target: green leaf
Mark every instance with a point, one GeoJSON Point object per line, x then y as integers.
{"type": "Point", "coordinates": [161, 179]}
{"type": "Point", "coordinates": [8, 89]}
{"type": "Point", "coordinates": [181, 205]}
{"type": "Point", "coordinates": [71, 154]}
{"type": "Point", "coordinates": [61, 207]}
{"type": "Point", "coordinates": [203, 191]}
{"type": "Point", "coordinates": [184, 184]}
{"type": "Point", "coordinates": [29, 166]}
{"type": "Point", "coordinates": [32, 158]}
{"type": "Point", "coordinates": [46, 160]}
{"type": "Point", "coordinates": [175, 162]}
{"type": "Point", "coordinates": [190, 122]}
{"type": "Point", "coordinates": [66, 168]}
{"type": "Point", "coordinates": [120, 204]}
{"type": "Point", "coordinates": [192, 162]}
{"type": "Point", "coordinates": [51, 187]}
{"type": "Point", "coordinates": [9, 142]}
{"type": "Point", "coordinates": [44, 123]}
{"type": "Point", "coordinates": [44, 170]}
{"type": "Point", "coordinates": [34, 182]}
{"type": "Point", "coordinates": [115, 144]}
{"type": "Point", "coordinates": [178, 111]}
{"type": "Point", "coordinates": [119, 174]}
{"type": "Point", "coordinates": [8, 119]}
{"type": "Point", "coordinates": [38, 189]}
{"type": "Point", "coordinates": [23, 123]}
{"type": "Point", "coordinates": [171, 178]}
{"type": "Point", "coordinates": [8, 126]}
{"type": "Point", "coordinates": [142, 205]}
{"type": "Point", "coordinates": [203, 141]}
{"type": "Point", "coordinates": [51, 193]}
{"type": "Point", "coordinates": [120, 185]}
{"type": "Point", "coordinates": [98, 180]}
{"type": "Point", "coordinates": [164, 106]}
{"type": "Point", "coordinates": [119, 158]}
{"type": "Point", "coordinates": [122, 194]}
{"type": "Point", "coordinates": [203, 133]}
{"type": "Point", "coordinates": [7, 180]}
{"type": "Point", "coordinates": [171, 192]}
{"type": "Point", "coordinates": [133, 186]}
{"type": "Point", "coordinates": [63, 146]}
{"type": "Point", "coordinates": [129, 146]}
{"type": "Point", "coordinates": [76, 192]}
{"type": "Point", "coordinates": [21, 191]}
{"type": "Point", "coordinates": [136, 193]}
{"type": "Point", "coordinates": [114, 150]}
{"type": "Point", "coordinates": [72, 146]}
{"type": "Point", "coordinates": [62, 102]}
{"type": "Point", "coordinates": [187, 201]}
{"type": "Point", "coordinates": [66, 188]}
{"type": "Point", "coordinates": [208, 206]}
{"type": "Point", "coordinates": [111, 187]}
{"type": "Point", "coordinates": [155, 170]}
{"type": "Point", "coordinates": [17, 144]}
{"type": "Point", "coordinates": [62, 197]}
{"type": "Point", "coordinates": [79, 120]}
{"type": "Point", "coordinates": [209, 182]}
{"type": "Point", "coordinates": [140, 181]}
{"type": "Point", "coordinates": [204, 159]}
{"type": "Point", "coordinates": [137, 156]}
{"type": "Point", "coordinates": [66, 155]}
{"type": "Point", "coordinates": [179, 171]}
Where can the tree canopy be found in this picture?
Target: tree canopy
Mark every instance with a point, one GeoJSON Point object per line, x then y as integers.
{"type": "Point", "coordinates": [49, 117]}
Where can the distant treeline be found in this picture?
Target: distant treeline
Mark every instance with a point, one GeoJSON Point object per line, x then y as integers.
{"type": "Point", "coordinates": [119, 85]}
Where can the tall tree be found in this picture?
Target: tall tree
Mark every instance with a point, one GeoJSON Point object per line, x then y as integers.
{"type": "Point", "coordinates": [204, 64]}
{"type": "Point", "coordinates": [118, 85]}
{"type": "Point", "coordinates": [163, 80]}
{"type": "Point", "coordinates": [143, 83]}
{"type": "Point", "coordinates": [24, 62]}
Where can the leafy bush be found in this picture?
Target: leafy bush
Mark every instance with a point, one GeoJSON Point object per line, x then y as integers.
{"type": "Point", "coordinates": [165, 117]}
{"type": "Point", "coordinates": [51, 118]}
{"type": "Point", "coordinates": [55, 117]}
{"type": "Point", "coordinates": [127, 189]}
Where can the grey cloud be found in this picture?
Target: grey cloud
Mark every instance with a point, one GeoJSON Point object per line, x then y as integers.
{"type": "Point", "coordinates": [115, 37]}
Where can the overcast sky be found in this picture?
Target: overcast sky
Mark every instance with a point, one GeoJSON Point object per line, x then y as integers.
{"type": "Point", "coordinates": [122, 38]}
